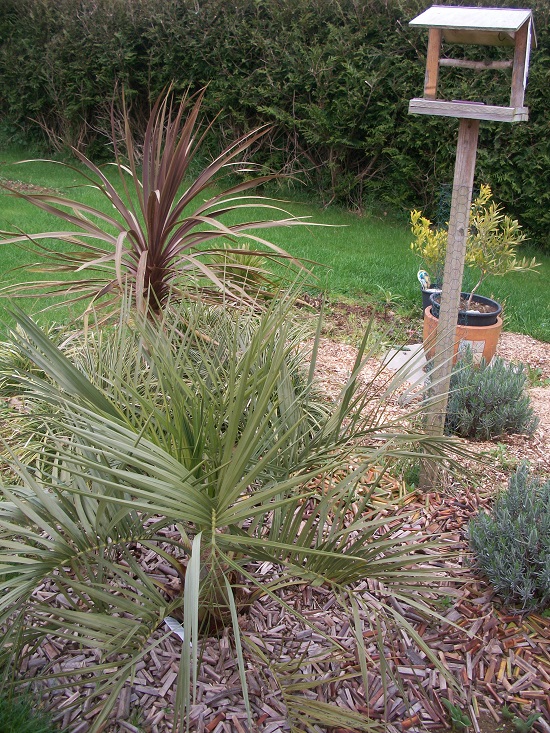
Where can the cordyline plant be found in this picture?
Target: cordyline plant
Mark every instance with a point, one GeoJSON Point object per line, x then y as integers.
{"type": "Point", "coordinates": [163, 236]}
{"type": "Point", "coordinates": [217, 457]}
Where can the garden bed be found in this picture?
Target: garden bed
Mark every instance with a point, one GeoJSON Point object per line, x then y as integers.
{"type": "Point", "coordinates": [336, 361]}
{"type": "Point", "coordinates": [497, 657]}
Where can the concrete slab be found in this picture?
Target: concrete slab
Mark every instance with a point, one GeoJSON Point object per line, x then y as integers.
{"type": "Point", "coordinates": [410, 359]}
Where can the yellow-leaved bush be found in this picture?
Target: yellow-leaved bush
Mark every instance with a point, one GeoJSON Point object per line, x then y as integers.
{"type": "Point", "coordinates": [430, 244]}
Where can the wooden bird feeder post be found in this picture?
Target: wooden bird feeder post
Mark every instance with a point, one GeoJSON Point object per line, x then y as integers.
{"type": "Point", "coordinates": [484, 27]}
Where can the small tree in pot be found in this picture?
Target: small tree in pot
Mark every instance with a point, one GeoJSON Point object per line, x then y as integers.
{"type": "Point", "coordinates": [492, 241]}
{"type": "Point", "coordinates": [430, 245]}
{"type": "Point", "coordinates": [491, 248]}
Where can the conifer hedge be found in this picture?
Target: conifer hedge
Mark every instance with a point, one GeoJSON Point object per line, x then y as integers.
{"type": "Point", "coordinates": [333, 77]}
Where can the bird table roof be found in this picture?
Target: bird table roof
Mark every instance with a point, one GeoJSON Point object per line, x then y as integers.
{"type": "Point", "coordinates": [500, 23]}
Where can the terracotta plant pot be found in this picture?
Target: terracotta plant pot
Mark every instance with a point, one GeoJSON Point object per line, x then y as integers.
{"type": "Point", "coordinates": [482, 340]}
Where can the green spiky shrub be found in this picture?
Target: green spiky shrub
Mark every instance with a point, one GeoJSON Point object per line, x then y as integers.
{"type": "Point", "coordinates": [511, 544]}
{"type": "Point", "coordinates": [488, 400]}
{"type": "Point", "coordinates": [222, 440]}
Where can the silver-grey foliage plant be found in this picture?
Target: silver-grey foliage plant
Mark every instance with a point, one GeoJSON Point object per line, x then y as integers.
{"type": "Point", "coordinates": [488, 400]}
{"type": "Point", "coordinates": [511, 543]}
{"type": "Point", "coordinates": [203, 441]}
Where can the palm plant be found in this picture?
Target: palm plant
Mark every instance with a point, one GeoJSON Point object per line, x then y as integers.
{"type": "Point", "coordinates": [217, 455]}
{"type": "Point", "coordinates": [163, 232]}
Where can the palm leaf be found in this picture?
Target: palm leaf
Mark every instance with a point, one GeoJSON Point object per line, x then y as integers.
{"type": "Point", "coordinates": [146, 426]}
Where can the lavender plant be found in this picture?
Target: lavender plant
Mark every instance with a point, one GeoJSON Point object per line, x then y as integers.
{"type": "Point", "coordinates": [512, 544]}
{"type": "Point", "coordinates": [488, 400]}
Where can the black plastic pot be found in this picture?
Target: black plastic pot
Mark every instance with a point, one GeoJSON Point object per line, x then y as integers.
{"type": "Point", "coordinates": [426, 296]}
{"type": "Point", "coordinates": [471, 317]}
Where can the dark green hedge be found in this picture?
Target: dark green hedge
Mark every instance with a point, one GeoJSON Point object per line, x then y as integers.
{"type": "Point", "coordinates": [333, 77]}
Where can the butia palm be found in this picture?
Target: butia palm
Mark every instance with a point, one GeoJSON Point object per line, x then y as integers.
{"type": "Point", "coordinates": [217, 455]}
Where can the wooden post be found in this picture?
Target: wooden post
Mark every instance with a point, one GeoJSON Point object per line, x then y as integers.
{"type": "Point", "coordinates": [432, 64]}
{"type": "Point", "coordinates": [466, 152]}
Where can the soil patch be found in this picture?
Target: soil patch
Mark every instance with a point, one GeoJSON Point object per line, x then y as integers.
{"type": "Point", "coordinates": [476, 306]}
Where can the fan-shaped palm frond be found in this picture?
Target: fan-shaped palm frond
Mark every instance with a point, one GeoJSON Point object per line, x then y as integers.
{"type": "Point", "coordinates": [215, 455]}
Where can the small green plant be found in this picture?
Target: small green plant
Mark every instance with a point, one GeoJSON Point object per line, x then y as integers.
{"type": "Point", "coordinates": [446, 602]}
{"type": "Point", "coordinates": [407, 470]}
{"type": "Point", "coordinates": [21, 715]}
{"type": "Point", "coordinates": [535, 377]}
{"type": "Point", "coordinates": [459, 720]}
{"type": "Point", "coordinates": [388, 299]}
{"type": "Point", "coordinates": [524, 726]}
{"type": "Point", "coordinates": [511, 545]}
{"type": "Point", "coordinates": [503, 458]}
{"type": "Point", "coordinates": [488, 400]}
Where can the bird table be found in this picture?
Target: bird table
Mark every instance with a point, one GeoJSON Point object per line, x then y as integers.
{"type": "Point", "coordinates": [466, 26]}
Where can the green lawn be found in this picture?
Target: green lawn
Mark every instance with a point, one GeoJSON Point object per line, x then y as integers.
{"type": "Point", "coordinates": [365, 259]}
{"type": "Point", "coordinates": [368, 258]}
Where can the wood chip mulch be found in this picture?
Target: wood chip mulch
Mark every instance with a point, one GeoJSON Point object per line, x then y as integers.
{"type": "Point", "coordinates": [496, 657]}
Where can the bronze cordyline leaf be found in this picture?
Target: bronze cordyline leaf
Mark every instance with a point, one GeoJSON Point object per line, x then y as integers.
{"type": "Point", "coordinates": [158, 234]}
